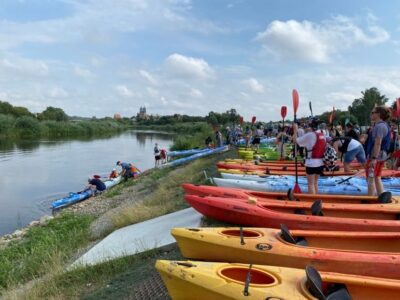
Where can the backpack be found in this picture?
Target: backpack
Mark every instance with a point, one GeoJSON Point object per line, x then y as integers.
{"type": "Point", "coordinates": [330, 157]}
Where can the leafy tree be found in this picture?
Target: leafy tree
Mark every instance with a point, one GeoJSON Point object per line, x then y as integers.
{"type": "Point", "coordinates": [361, 107]}
{"type": "Point", "coordinates": [19, 111]}
{"type": "Point", "coordinates": [5, 108]}
{"type": "Point", "coordinates": [53, 114]}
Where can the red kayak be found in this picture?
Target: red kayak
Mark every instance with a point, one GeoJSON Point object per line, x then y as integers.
{"type": "Point", "coordinates": [239, 211]}
{"type": "Point", "coordinates": [219, 191]}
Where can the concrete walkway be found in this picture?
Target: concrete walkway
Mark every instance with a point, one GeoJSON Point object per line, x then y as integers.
{"type": "Point", "coordinates": [139, 237]}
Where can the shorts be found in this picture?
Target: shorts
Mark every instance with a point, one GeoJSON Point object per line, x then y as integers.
{"type": "Point", "coordinates": [314, 170]}
{"type": "Point", "coordinates": [157, 157]}
{"type": "Point", "coordinates": [358, 153]}
{"type": "Point", "coordinates": [378, 168]}
{"type": "Point", "coordinates": [256, 141]}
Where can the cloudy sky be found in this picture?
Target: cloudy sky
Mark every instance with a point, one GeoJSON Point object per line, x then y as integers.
{"type": "Point", "coordinates": [98, 57]}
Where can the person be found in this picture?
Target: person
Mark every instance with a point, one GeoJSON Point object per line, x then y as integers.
{"type": "Point", "coordinates": [163, 155]}
{"type": "Point", "coordinates": [315, 144]}
{"type": "Point", "coordinates": [128, 170]}
{"type": "Point", "coordinates": [281, 138]}
{"type": "Point", "coordinates": [377, 147]}
{"type": "Point", "coordinates": [208, 142]}
{"type": "Point", "coordinates": [113, 174]}
{"type": "Point", "coordinates": [96, 185]}
{"type": "Point", "coordinates": [300, 133]}
{"type": "Point", "coordinates": [257, 137]}
{"type": "Point", "coordinates": [157, 154]}
{"type": "Point", "coordinates": [351, 149]}
{"type": "Point", "coordinates": [247, 136]}
{"type": "Point", "coordinates": [218, 139]}
{"type": "Point", "coordinates": [351, 132]}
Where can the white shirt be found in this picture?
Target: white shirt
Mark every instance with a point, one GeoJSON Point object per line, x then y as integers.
{"type": "Point", "coordinates": [353, 145]}
{"type": "Point", "coordinates": [308, 141]}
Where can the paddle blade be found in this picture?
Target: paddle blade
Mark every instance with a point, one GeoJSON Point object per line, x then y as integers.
{"type": "Point", "coordinates": [332, 115]}
{"type": "Point", "coordinates": [241, 120]}
{"type": "Point", "coordinates": [295, 96]}
{"type": "Point", "coordinates": [296, 189]}
{"type": "Point", "coordinates": [398, 107]}
{"type": "Point", "coordinates": [283, 111]}
{"type": "Point", "coordinates": [309, 104]}
{"type": "Point", "coordinates": [253, 120]}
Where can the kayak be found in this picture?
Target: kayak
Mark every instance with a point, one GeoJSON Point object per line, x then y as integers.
{"type": "Point", "coordinates": [283, 186]}
{"type": "Point", "coordinates": [218, 191]}
{"type": "Point", "coordinates": [221, 281]}
{"type": "Point", "coordinates": [83, 195]}
{"type": "Point", "coordinates": [239, 211]}
{"type": "Point", "coordinates": [368, 253]}
{"type": "Point", "coordinates": [192, 157]}
{"type": "Point", "coordinates": [281, 164]}
{"type": "Point", "coordinates": [270, 168]}
{"type": "Point", "coordinates": [322, 181]}
{"type": "Point", "coordinates": [186, 152]}
{"type": "Point", "coordinates": [385, 173]}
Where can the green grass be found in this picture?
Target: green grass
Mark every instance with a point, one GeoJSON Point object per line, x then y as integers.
{"type": "Point", "coordinates": [43, 249]}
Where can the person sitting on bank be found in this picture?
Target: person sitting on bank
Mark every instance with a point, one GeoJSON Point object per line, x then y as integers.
{"type": "Point", "coordinates": [113, 174]}
{"type": "Point", "coordinates": [96, 184]}
{"type": "Point", "coordinates": [208, 142]}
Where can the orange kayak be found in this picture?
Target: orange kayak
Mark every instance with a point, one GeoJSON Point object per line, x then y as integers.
{"type": "Point", "coordinates": [368, 253]}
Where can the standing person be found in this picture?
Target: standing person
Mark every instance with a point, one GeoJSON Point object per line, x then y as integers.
{"type": "Point", "coordinates": [218, 138]}
{"type": "Point", "coordinates": [157, 155]}
{"type": "Point", "coordinates": [300, 133]}
{"type": "Point", "coordinates": [281, 138]}
{"type": "Point", "coordinates": [377, 147]}
{"type": "Point", "coordinates": [257, 137]}
{"type": "Point", "coordinates": [247, 136]}
{"type": "Point", "coordinates": [315, 144]}
{"type": "Point", "coordinates": [164, 156]}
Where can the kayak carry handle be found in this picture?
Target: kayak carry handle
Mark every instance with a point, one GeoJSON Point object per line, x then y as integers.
{"type": "Point", "coordinates": [241, 237]}
{"type": "Point", "coordinates": [247, 282]}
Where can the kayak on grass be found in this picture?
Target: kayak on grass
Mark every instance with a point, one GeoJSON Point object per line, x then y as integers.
{"type": "Point", "coordinates": [368, 253]}
{"type": "Point", "coordinates": [240, 212]}
{"type": "Point", "coordinates": [186, 152]}
{"type": "Point", "coordinates": [228, 192]}
{"type": "Point", "coordinates": [222, 281]}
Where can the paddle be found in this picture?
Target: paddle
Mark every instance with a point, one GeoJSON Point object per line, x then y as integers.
{"type": "Point", "coordinates": [332, 116]}
{"type": "Point", "coordinates": [253, 120]}
{"type": "Point", "coordinates": [309, 104]}
{"type": "Point", "coordinates": [295, 96]}
{"type": "Point", "coordinates": [283, 114]}
{"type": "Point", "coordinates": [241, 121]}
{"type": "Point", "coordinates": [350, 177]}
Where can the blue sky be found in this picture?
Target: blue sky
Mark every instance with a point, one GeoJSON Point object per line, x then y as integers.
{"type": "Point", "coordinates": [98, 57]}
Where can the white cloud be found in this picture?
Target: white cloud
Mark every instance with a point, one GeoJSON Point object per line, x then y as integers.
{"type": "Point", "coordinates": [20, 65]}
{"type": "Point", "coordinates": [253, 85]}
{"type": "Point", "coordinates": [189, 67]}
{"type": "Point", "coordinates": [82, 72]}
{"type": "Point", "coordinates": [317, 42]}
{"type": "Point", "coordinates": [163, 101]}
{"type": "Point", "coordinates": [195, 93]}
{"type": "Point", "coordinates": [57, 92]}
{"type": "Point", "coordinates": [123, 91]}
{"type": "Point", "coordinates": [146, 75]}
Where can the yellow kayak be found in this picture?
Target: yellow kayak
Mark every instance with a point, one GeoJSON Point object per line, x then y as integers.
{"type": "Point", "coordinates": [219, 281]}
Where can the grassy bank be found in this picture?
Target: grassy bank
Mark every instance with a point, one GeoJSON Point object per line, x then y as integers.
{"type": "Point", "coordinates": [31, 127]}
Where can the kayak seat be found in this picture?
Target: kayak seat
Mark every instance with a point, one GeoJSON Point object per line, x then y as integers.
{"type": "Point", "coordinates": [385, 197]}
{"type": "Point", "coordinates": [287, 237]}
{"type": "Point", "coordinates": [335, 291]}
{"type": "Point", "coordinates": [299, 211]}
{"type": "Point", "coordinates": [316, 208]}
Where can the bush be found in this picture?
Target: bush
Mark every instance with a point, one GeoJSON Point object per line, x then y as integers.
{"type": "Point", "coordinates": [27, 127]}
{"type": "Point", "coordinates": [6, 124]}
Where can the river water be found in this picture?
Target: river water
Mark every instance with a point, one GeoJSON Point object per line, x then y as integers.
{"type": "Point", "coordinates": [35, 173]}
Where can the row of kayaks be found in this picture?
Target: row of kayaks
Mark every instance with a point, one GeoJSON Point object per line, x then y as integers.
{"type": "Point", "coordinates": [343, 247]}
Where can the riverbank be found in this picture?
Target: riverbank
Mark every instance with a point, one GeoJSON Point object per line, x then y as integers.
{"type": "Point", "coordinates": [73, 231]}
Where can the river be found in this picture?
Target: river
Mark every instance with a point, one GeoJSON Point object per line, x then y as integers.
{"type": "Point", "coordinates": [35, 173]}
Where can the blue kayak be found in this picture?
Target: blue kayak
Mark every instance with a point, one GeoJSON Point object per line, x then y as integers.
{"type": "Point", "coordinates": [80, 196]}
{"type": "Point", "coordinates": [283, 186]}
{"type": "Point", "coordinates": [186, 152]}
{"type": "Point", "coordinates": [195, 156]}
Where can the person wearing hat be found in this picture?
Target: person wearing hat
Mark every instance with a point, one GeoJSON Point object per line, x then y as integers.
{"type": "Point", "coordinates": [314, 142]}
{"type": "Point", "coordinates": [113, 174]}
{"type": "Point", "coordinates": [96, 184]}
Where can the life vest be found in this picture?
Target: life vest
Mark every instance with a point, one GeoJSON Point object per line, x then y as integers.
{"type": "Point", "coordinates": [385, 145]}
{"type": "Point", "coordinates": [134, 169]}
{"type": "Point", "coordinates": [114, 174]}
{"type": "Point", "coordinates": [319, 148]}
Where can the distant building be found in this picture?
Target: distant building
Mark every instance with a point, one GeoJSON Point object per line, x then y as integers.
{"type": "Point", "coordinates": [117, 116]}
{"type": "Point", "coordinates": [142, 115]}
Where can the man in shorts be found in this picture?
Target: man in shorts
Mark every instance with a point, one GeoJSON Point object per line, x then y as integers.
{"type": "Point", "coordinates": [157, 155]}
{"type": "Point", "coordinates": [377, 147]}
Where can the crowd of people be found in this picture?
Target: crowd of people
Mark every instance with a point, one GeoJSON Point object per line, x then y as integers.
{"type": "Point", "coordinates": [372, 148]}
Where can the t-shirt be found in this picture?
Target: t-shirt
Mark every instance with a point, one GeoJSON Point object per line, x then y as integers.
{"type": "Point", "coordinates": [100, 186]}
{"type": "Point", "coordinates": [156, 151]}
{"type": "Point", "coordinates": [300, 132]}
{"type": "Point", "coordinates": [308, 141]}
{"type": "Point", "coordinates": [353, 145]}
{"type": "Point", "coordinates": [125, 166]}
{"type": "Point", "coordinates": [380, 130]}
